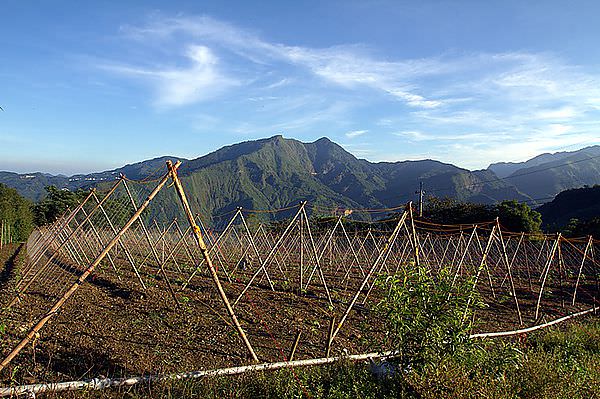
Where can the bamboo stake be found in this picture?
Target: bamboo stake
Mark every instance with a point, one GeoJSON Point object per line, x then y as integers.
{"type": "Point", "coordinates": [255, 249]}
{"type": "Point", "coordinates": [508, 267]}
{"type": "Point", "coordinates": [301, 259]}
{"type": "Point", "coordinates": [480, 268]}
{"type": "Point", "coordinates": [316, 257]}
{"type": "Point", "coordinates": [81, 278]}
{"type": "Point", "coordinates": [414, 235]}
{"type": "Point", "coordinates": [369, 273]}
{"type": "Point", "coordinates": [271, 253]}
{"type": "Point", "coordinates": [295, 346]}
{"type": "Point", "coordinates": [41, 269]}
{"type": "Point", "coordinates": [121, 244]}
{"type": "Point", "coordinates": [156, 256]}
{"type": "Point", "coordinates": [330, 336]}
{"type": "Point", "coordinates": [587, 247]}
{"type": "Point", "coordinates": [545, 274]}
{"type": "Point", "coordinates": [204, 251]}
{"type": "Point", "coordinates": [214, 246]}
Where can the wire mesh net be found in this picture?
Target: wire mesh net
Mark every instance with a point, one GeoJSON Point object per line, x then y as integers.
{"type": "Point", "coordinates": [153, 300]}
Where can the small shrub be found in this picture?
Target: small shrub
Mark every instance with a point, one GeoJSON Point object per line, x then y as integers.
{"type": "Point", "coordinates": [426, 317]}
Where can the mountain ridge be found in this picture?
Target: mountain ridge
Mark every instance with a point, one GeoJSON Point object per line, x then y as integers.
{"type": "Point", "coordinates": [276, 172]}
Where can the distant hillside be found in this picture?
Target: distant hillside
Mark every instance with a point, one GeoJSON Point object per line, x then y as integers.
{"type": "Point", "coordinates": [580, 203]}
{"type": "Point", "coordinates": [277, 172]}
{"type": "Point", "coordinates": [546, 175]}
{"type": "Point", "coordinates": [31, 185]}
{"type": "Point", "coordinates": [504, 169]}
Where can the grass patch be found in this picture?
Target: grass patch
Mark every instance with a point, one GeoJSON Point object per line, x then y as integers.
{"type": "Point", "coordinates": [563, 362]}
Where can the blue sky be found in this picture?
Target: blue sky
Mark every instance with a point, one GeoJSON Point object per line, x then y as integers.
{"type": "Point", "coordinates": [88, 86]}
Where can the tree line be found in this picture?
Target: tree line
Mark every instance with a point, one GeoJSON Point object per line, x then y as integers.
{"type": "Point", "coordinates": [22, 215]}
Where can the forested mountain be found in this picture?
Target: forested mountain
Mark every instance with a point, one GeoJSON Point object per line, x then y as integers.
{"type": "Point", "coordinates": [546, 175]}
{"type": "Point", "coordinates": [580, 203]}
{"type": "Point", "coordinates": [278, 172]}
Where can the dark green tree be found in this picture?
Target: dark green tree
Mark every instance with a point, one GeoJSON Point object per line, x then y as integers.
{"type": "Point", "coordinates": [15, 211]}
{"type": "Point", "coordinates": [513, 215]}
{"type": "Point", "coordinates": [518, 216]}
{"type": "Point", "coordinates": [583, 228]}
{"type": "Point", "coordinates": [452, 211]}
{"type": "Point", "coordinates": [56, 203]}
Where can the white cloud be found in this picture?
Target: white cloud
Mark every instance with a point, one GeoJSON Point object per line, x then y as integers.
{"type": "Point", "coordinates": [355, 133]}
{"type": "Point", "coordinates": [347, 66]}
{"type": "Point", "coordinates": [467, 107]}
{"type": "Point", "coordinates": [199, 81]}
{"type": "Point", "coordinates": [557, 113]}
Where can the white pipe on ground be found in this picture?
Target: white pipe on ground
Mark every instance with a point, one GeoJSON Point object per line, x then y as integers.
{"type": "Point", "coordinates": [103, 383]}
{"type": "Point", "coordinates": [98, 383]}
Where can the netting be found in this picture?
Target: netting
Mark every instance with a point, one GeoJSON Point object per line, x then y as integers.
{"type": "Point", "coordinates": [141, 295]}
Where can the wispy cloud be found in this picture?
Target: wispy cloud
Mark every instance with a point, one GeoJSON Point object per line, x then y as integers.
{"type": "Point", "coordinates": [196, 82]}
{"type": "Point", "coordinates": [355, 133]}
{"type": "Point", "coordinates": [557, 113]}
{"type": "Point", "coordinates": [466, 107]}
{"type": "Point", "coordinates": [348, 66]}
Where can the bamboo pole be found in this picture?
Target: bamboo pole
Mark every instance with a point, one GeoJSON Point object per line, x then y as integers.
{"type": "Point", "coordinates": [41, 269]}
{"type": "Point", "coordinates": [204, 251]}
{"type": "Point", "coordinates": [295, 346]}
{"type": "Point", "coordinates": [213, 246]}
{"type": "Point", "coordinates": [587, 247]}
{"type": "Point", "coordinates": [482, 264]}
{"type": "Point", "coordinates": [98, 384]}
{"type": "Point", "coordinates": [156, 256]}
{"type": "Point", "coordinates": [539, 326]}
{"type": "Point", "coordinates": [256, 251]}
{"type": "Point", "coordinates": [545, 274]}
{"type": "Point", "coordinates": [34, 330]}
{"type": "Point", "coordinates": [270, 254]}
{"type": "Point", "coordinates": [121, 244]}
{"type": "Point", "coordinates": [415, 239]}
{"type": "Point", "coordinates": [330, 336]}
{"type": "Point", "coordinates": [509, 269]}
{"type": "Point", "coordinates": [301, 256]}
{"type": "Point", "coordinates": [316, 257]}
{"type": "Point", "coordinates": [368, 275]}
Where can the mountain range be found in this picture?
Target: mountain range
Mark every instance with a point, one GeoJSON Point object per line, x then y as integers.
{"type": "Point", "coordinates": [277, 172]}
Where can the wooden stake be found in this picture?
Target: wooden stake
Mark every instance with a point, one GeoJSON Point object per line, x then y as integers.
{"type": "Point", "coordinates": [204, 251]}
{"type": "Point", "coordinates": [295, 346]}
{"type": "Point", "coordinates": [330, 336]}
{"type": "Point", "coordinates": [81, 278]}
{"type": "Point", "coordinates": [368, 275]}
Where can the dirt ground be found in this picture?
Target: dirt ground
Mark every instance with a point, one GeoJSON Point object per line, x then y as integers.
{"type": "Point", "coordinates": [112, 327]}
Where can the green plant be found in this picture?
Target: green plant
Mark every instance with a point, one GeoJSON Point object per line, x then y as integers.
{"type": "Point", "coordinates": [426, 316]}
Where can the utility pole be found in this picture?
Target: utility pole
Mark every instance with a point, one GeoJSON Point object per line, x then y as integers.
{"type": "Point", "coordinates": [420, 192]}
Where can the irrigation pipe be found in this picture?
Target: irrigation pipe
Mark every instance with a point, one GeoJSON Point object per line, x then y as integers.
{"type": "Point", "coordinates": [104, 383]}
{"type": "Point", "coordinates": [539, 326]}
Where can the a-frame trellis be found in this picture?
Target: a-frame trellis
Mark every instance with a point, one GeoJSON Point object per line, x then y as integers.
{"type": "Point", "coordinates": [139, 209]}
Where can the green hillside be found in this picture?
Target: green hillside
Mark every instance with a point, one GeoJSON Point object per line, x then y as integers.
{"type": "Point", "coordinates": [552, 174]}
{"type": "Point", "coordinates": [278, 172]}
{"type": "Point", "coordinates": [581, 203]}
